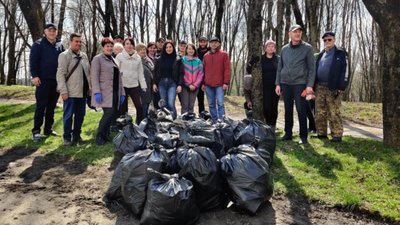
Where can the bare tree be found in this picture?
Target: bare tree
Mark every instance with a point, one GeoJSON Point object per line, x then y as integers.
{"type": "Point", "coordinates": [33, 13]}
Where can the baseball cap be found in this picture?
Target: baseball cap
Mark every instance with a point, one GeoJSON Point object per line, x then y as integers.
{"type": "Point", "coordinates": [295, 27]}
{"type": "Point", "coordinates": [50, 25]}
{"type": "Point", "coordinates": [328, 34]}
{"type": "Point", "coordinates": [215, 38]}
{"type": "Point", "coordinates": [203, 38]}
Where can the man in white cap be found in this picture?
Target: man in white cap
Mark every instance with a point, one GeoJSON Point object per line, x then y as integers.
{"type": "Point", "coordinates": [295, 75]}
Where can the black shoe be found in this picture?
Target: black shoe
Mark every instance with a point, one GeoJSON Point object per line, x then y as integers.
{"type": "Point", "coordinates": [52, 133]}
{"type": "Point", "coordinates": [336, 139]}
{"type": "Point", "coordinates": [100, 140]}
{"type": "Point", "coordinates": [286, 137]}
{"type": "Point", "coordinates": [303, 141]}
{"type": "Point", "coordinates": [67, 142]}
{"type": "Point", "coordinates": [319, 136]}
{"type": "Point", "coordinates": [36, 137]}
{"type": "Point", "coordinates": [77, 140]}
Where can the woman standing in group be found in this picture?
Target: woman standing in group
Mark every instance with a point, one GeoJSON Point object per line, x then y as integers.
{"type": "Point", "coordinates": [192, 78]}
{"type": "Point", "coordinates": [168, 76]}
{"type": "Point", "coordinates": [106, 88]}
{"type": "Point", "coordinates": [133, 80]}
{"type": "Point", "coordinates": [152, 56]}
{"type": "Point", "coordinates": [148, 67]}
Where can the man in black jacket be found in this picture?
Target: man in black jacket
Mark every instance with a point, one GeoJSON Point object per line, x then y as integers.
{"type": "Point", "coordinates": [201, 51]}
{"type": "Point", "coordinates": [43, 62]}
{"type": "Point", "coordinates": [331, 81]}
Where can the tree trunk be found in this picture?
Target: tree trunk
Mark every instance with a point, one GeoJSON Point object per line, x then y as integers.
{"type": "Point", "coordinates": [312, 9]}
{"type": "Point", "coordinates": [218, 17]}
{"type": "Point", "coordinates": [12, 72]}
{"type": "Point", "coordinates": [122, 19]}
{"type": "Point", "coordinates": [33, 13]}
{"type": "Point", "coordinates": [62, 17]}
{"type": "Point", "coordinates": [387, 16]}
{"type": "Point", "coordinates": [254, 43]}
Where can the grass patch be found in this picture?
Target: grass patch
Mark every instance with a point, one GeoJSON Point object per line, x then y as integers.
{"type": "Point", "coordinates": [364, 113]}
{"type": "Point", "coordinates": [19, 92]}
{"type": "Point", "coordinates": [355, 173]}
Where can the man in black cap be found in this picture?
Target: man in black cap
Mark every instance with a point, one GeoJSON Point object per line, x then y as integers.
{"type": "Point", "coordinates": [201, 51]}
{"type": "Point", "coordinates": [295, 75]}
{"type": "Point", "coordinates": [118, 39]}
{"type": "Point", "coordinates": [331, 79]}
{"type": "Point", "coordinates": [159, 43]}
{"type": "Point", "coordinates": [43, 62]}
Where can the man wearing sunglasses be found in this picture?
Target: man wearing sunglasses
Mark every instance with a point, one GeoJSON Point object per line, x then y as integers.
{"type": "Point", "coordinates": [331, 80]}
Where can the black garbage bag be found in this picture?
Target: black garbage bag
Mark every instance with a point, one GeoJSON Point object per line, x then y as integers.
{"type": "Point", "coordinates": [167, 139]}
{"type": "Point", "coordinates": [130, 139]}
{"type": "Point", "coordinates": [188, 116]}
{"type": "Point", "coordinates": [149, 126]}
{"type": "Point", "coordinates": [130, 177]}
{"type": "Point", "coordinates": [204, 134]}
{"type": "Point", "coordinates": [256, 133]}
{"type": "Point", "coordinates": [226, 128]}
{"type": "Point", "coordinates": [200, 166]}
{"type": "Point", "coordinates": [205, 115]}
{"type": "Point", "coordinates": [248, 177]}
{"type": "Point", "coordinates": [123, 120]}
{"type": "Point", "coordinates": [170, 200]}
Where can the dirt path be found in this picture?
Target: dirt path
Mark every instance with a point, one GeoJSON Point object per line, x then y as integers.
{"type": "Point", "coordinates": [52, 189]}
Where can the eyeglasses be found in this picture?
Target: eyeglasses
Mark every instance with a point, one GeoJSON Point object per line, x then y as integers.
{"type": "Point", "coordinates": [328, 40]}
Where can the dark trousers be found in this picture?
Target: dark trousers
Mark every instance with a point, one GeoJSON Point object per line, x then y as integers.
{"type": "Point", "coordinates": [270, 100]}
{"type": "Point", "coordinates": [105, 122]}
{"type": "Point", "coordinates": [188, 98]}
{"type": "Point", "coordinates": [310, 106]}
{"type": "Point", "coordinates": [200, 100]}
{"type": "Point", "coordinates": [292, 94]}
{"type": "Point", "coordinates": [74, 112]}
{"type": "Point", "coordinates": [134, 94]}
{"type": "Point", "coordinates": [46, 100]}
{"type": "Point", "coordinates": [145, 110]}
{"type": "Point", "coordinates": [156, 99]}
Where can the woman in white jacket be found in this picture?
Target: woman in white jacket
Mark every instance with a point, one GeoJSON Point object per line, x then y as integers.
{"type": "Point", "coordinates": [131, 68]}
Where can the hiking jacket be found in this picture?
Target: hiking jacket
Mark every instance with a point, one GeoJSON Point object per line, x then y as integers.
{"type": "Point", "coordinates": [338, 73]}
{"type": "Point", "coordinates": [217, 68]}
{"type": "Point", "coordinates": [192, 71]}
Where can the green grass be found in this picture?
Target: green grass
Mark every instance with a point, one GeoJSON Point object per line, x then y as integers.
{"type": "Point", "coordinates": [362, 112]}
{"type": "Point", "coordinates": [355, 173]}
{"type": "Point", "coordinates": [15, 132]}
{"type": "Point", "coordinates": [17, 92]}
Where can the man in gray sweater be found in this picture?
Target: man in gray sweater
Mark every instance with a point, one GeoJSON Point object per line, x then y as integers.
{"type": "Point", "coordinates": [295, 74]}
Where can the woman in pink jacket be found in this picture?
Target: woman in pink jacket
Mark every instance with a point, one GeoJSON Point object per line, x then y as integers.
{"type": "Point", "coordinates": [192, 78]}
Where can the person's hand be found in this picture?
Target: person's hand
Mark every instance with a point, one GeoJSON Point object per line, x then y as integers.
{"type": "Point", "coordinates": [64, 97]}
{"type": "Point", "coordinates": [155, 89]}
{"type": "Point", "coordinates": [225, 87]}
{"type": "Point", "coordinates": [36, 81]}
{"type": "Point", "coordinates": [144, 89]}
{"type": "Point", "coordinates": [179, 89]}
{"type": "Point", "coordinates": [203, 87]}
{"type": "Point", "coordinates": [192, 87]}
{"type": "Point", "coordinates": [99, 98]}
{"type": "Point", "coordinates": [121, 99]}
{"type": "Point", "coordinates": [250, 105]}
{"type": "Point", "coordinates": [309, 90]}
{"type": "Point", "coordinates": [278, 90]}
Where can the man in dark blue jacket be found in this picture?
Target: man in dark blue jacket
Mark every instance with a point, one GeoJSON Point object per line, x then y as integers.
{"type": "Point", "coordinates": [331, 80]}
{"type": "Point", "coordinates": [43, 62]}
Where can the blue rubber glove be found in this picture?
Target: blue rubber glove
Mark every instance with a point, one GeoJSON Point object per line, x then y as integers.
{"type": "Point", "coordinates": [99, 97]}
{"type": "Point", "coordinates": [121, 99]}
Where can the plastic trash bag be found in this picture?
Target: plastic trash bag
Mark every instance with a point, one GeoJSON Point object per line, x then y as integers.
{"type": "Point", "coordinates": [167, 140]}
{"type": "Point", "coordinates": [170, 200]}
{"type": "Point", "coordinates": [200, 166]}
{"type": "Point", "coordinates": [130, 139]}
{"type": "Point", "coordinates": [248, 177]}
{"type": "Point", "coordinates": [149, 126]}
{"type": "Point", "coordinates": [226, 128]}
{"type": "Point", "coordinates": [256, 133]}
{"type": "Point", "coordinates": [130, 177]}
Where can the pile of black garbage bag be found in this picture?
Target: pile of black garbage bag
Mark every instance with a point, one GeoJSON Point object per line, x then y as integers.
{"type": "Point", "coordinates": [173, 169]}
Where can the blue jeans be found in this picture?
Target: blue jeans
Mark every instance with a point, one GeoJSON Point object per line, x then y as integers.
{"type": "Point", "coordinates": [74, 111]}
{"type": "Point", "coordinates": [293, 93]}
{"type": "Point", "coordinates": [167, 89]}
{"type": "Point", "coordinates": [215, 98]}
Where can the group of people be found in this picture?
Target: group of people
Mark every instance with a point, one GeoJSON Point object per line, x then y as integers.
{"type": "Point", "coordinates": [301, 78]}
{"type": "Point", "coordinates": [123, 69]}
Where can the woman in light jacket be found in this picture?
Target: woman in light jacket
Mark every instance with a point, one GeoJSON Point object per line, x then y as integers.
{"type": "Point", "coordinates": [133, 80]}
{"type": "Point", "coordinates": [148, 67]}
{"type": "Point", "coordinates": [107, 88]}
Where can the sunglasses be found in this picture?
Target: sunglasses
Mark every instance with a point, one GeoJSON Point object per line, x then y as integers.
{"type": "Point", "coordinates": [328, 40]}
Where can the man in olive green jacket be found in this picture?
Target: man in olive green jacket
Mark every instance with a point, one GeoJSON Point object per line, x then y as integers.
{"type": "Point", "coordinates": [73, 83]}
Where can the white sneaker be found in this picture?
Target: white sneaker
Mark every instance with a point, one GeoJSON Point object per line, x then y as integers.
{"type": "Point", "coordinates": [37, 137]}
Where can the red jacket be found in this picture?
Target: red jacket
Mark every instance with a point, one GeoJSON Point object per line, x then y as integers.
{"type": "Point", "coordinates": [217, 68]}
